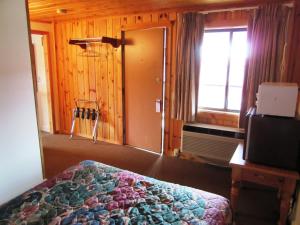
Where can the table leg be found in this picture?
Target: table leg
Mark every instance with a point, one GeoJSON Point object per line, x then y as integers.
{"type": "Point", "coordinates": [286, 194]}
{"type": "Point", "coordinates": [235, 188]}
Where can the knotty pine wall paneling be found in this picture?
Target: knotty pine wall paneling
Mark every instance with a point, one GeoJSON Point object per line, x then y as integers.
{"type": "Point", "coordinates": [88, 75]}
{"type": "Point", "coordinates": [82, 76]}
{"type": "Point", "coordinates": [79, 75]}
{"type": "Point", "coordinates": [236, 18]}
{"type": "Point", "coordinates": [118, 104]}
{"type": "Point", "coordinates": [60, 68]}
{"type": "Point", "coordinates": [100, 77]}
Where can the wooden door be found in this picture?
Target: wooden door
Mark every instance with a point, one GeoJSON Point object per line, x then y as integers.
{"type": "Point", "coordinates": [144, 72]}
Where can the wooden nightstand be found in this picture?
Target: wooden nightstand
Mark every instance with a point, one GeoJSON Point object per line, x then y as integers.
{"type": "Point", "coordinates": [283, 180]}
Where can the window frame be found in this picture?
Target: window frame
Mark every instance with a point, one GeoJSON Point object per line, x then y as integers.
{"type": "Point", "coordinates": [231, 31]}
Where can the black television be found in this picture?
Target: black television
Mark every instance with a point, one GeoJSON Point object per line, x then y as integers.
{"type": "Point", "coordinates": [272, 141]}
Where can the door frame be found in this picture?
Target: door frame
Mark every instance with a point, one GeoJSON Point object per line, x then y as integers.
{"type": "Point", "coordinates": [49, 29]}
{"type": "Point", "coordinates": [48, 79]}
{"type": "Point", "coordinates": [166, 80]}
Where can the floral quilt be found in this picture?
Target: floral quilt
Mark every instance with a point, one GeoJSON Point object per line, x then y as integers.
{"type": "Point", "coordinates": [92, 193]}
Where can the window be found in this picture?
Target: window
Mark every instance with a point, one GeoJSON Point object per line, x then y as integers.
{"type": "Point", "coordinates": [223, 56]}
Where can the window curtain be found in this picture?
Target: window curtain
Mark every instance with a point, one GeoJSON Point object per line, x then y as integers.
{"type": "Point", "coordinates": [190, 30]}
{"type": "Point", "coordinates": [268, 35]}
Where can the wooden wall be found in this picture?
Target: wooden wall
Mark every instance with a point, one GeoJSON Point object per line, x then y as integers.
{"type": "Point", "coordinates": [99, 78]}
{"type": "Point", "coordinates": [82, 76]}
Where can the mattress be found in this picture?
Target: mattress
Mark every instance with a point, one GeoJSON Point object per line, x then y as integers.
{"type": "Point", "coordinates": [93, 193]}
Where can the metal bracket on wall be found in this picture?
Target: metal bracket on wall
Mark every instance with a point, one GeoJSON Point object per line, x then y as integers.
{"type": "Point", "coordinates": [84, 42]}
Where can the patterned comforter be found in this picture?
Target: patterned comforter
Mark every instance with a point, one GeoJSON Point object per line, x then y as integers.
{"type": "Point", "coordinates": [96, 194]}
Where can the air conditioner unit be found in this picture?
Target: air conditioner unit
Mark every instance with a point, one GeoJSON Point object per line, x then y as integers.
{"type": "Point", "coordinates": [215, 144]}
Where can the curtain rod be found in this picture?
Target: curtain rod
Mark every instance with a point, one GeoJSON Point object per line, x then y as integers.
{"type": "Point", "coordinates": [290, 5]}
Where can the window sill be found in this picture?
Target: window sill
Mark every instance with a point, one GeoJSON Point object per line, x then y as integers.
{"type": "Point", "coordinates": [218, 111]}
{"type": "Point", "coordinates": [221, 118]}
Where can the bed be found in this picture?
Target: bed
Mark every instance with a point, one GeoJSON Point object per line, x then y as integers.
{"type": "Point", "coordinates": [93, 193]}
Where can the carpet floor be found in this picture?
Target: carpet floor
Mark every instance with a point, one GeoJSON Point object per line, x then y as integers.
{"type": "Point", "coordinates": [256, 205]}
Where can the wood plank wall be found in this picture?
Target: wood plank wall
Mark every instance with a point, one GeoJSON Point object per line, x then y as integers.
{"type": "Point", "coordinates": [90, 75]}
{"type": "Point", "coordinates": [99, 78]}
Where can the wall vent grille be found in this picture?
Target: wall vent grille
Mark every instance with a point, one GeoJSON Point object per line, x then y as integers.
{"type": "Point", "coordinates": [210, 147]}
